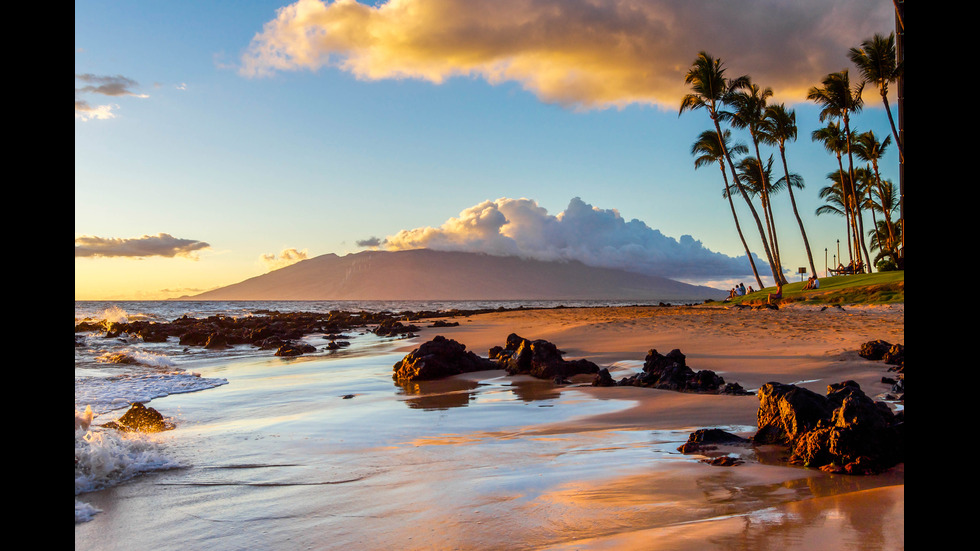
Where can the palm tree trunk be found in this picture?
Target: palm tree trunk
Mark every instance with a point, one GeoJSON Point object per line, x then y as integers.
{"type": "Point", "coordinates": [767, 211]}
{"type": "Point", "coordinates": [738, 185]}
{"type": "Point", "coordinates": [891, 121]}
{"type": "Point", "coordinates": [859, 226]}
{"type": "Point", "coordinates": [796, 212]}
{"type": "Point", "coordinates": [738, 227]}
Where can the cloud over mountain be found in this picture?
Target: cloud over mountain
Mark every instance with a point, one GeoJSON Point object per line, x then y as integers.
{"type": "Point", "coordinates": [572, 52]}
{"type": "Point", "coordinates": [593, 236]}
{"type": "Point", "coordinates": [285, 258]}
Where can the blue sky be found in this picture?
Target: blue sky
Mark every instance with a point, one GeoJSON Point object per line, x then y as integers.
{"type": "Point", "coordinates": [369, 142]}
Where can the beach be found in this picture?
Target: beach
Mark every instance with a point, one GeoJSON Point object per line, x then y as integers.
{"type": "Point", "coordinates": [327, 452]}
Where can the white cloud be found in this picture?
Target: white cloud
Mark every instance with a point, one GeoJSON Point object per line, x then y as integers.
{"type": "Point", "coordinates": [594, 236]}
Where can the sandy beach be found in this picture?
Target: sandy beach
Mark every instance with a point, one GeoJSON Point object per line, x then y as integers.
{"type": "Point", "coordinates": [280, 459]}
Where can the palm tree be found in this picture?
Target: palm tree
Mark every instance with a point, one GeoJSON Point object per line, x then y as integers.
{"type": "Point", "coordinates": [839, 101]}
{"type": "Point", "coordinates": [868, 148]}
{"type": "Point", "coordinates": [833, 139]}
{"type": "Point", "coordinates": [709, 150]}
{"type": "Point", "coordinates": [878, 64]}
{"type": "Point", "coordinates": [887, 233]}
{"type": "Point", "coordinates": [749, 103]}
{"type": "Point", "coordinates": [709, 87]}
{"type": "Point", "coordinates": [780, 127]}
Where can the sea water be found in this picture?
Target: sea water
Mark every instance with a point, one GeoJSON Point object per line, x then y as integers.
{"type": "Point", "coordinates": [111, 373]}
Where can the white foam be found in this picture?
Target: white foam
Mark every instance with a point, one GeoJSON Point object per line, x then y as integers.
{"type": "Point", "coordinates": [106, 458]}
{"type": "Point", "coordinates": [108, 393]}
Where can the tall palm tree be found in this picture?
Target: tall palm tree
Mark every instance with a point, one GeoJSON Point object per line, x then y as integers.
{"type": "Point", "coordinates": [840, 101]}
{"type": "Point", "coordinates": [878, 64]}
{"type": "Point", "coordinates": [868, 148]}
{"type": "Point", "coordinates": [708, 150]}
{"type": "Point", "coordinates": [708, 88]}
{"type": "Point", "coordinates": [748, 102]}
{"type": "Point", "coordinates": [833, 139]}
{"type": "Point", "coordinates": [779, 126]}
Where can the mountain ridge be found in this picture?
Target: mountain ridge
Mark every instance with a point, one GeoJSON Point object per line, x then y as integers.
{"type": "Point", "coordinates": [426, 274]}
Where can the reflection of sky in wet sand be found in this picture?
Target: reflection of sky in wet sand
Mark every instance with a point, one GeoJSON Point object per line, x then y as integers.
{"type": "Point", "coordinates": [332, 454]}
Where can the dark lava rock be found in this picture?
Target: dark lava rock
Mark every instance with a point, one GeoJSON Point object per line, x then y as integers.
{"type": "Point", "coordinates": [845, 431]}
{"type": "Point", "coordinates": [392, 328]}
{"type": "Point", "coordinates": [709, 439]}
{"type": "Point", "coordinates": [670, 372]}
{"type": "Point", "coordinates": [538, 358]}
{"type": "Point", "coordinates": [874, 350]}
{"type": "Point", "coordinates": [603, 378]}
{"type": "Point", "coordinates": [291, 349]}
{"type": "Point", "coordinates": [437, 358]}
{"type": "Point", "coordinates": [140, 418]}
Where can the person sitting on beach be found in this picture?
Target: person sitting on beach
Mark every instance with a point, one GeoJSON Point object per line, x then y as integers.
{"type": "Point", "coordinates": [815, 284]}
{"type": "Point", "coordinates": [775, 297]}
{"type": "Point", "coordinates": [751, 290]}
{"type": "Point", "coordinates": [741, 289]}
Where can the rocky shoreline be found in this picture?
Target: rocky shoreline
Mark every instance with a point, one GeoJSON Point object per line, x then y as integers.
{"type": "Point", "coordinates": [844, 432]}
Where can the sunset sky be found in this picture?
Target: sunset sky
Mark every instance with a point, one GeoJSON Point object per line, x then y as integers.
{"type": "Point", "coordinates": [217, 140]}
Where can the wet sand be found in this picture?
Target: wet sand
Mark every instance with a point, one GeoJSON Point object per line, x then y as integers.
{"type": "Point", "coordinates": [279, 459]}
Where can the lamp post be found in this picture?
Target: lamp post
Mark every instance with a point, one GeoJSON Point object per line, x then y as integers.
{"type": "Point", "coordinates": [825, 261]}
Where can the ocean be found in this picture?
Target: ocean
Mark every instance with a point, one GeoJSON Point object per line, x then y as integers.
{"type": "Point", "coordinates": [111, 373]}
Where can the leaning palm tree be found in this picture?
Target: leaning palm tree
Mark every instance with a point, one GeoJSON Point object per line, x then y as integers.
{"type": "Point", "coordinates": [840, 101]}
{"type": "Point", "coordinates": [708, 150]}
{"type": "Point", "coordinates": [748, 104]}
{"type": "Point", "coordinates": [779, 125]}
{"type": "Point", "coordinates": [708, 89]}
{"type": "Point", "coordinates": [878, 64]}
{"type": "Point", "coordinates": [757, 178]}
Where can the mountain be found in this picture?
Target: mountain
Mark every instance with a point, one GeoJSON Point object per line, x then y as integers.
{"type": "Point", "coordinates": [425, 274]}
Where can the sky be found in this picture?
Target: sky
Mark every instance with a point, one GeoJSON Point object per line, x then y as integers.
{"type": "Point", "coordinates": [216, 141]}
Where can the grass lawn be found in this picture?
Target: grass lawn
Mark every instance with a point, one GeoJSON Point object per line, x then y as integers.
{"type": "Point", "coordinates": [877, 288]}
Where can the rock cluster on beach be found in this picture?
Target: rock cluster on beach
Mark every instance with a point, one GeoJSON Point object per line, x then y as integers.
{"type": "Point", "coordinates": [844, 431]}
{"type": "Point", "coordinates": [267, 331]}
{"type": "Point", "coordinates": [438, 358]}
{"type": "Point", "coordinates": [670, 372]}
{"type": "Point", "coordinates": [893, 355]}
{"type": "Point", "coordinates": [538, 358]}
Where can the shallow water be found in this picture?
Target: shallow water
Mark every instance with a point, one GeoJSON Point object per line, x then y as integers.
{"type": "Point", "coordinates": [327, 452]}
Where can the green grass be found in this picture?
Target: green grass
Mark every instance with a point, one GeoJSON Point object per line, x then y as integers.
{"type": "Point", "coordinates": [877, 288]}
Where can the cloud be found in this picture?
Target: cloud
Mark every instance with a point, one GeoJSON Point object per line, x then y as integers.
{"type": "Point", "coordinates": [593, 236]}
{"type": "Point", "coordinates": [369, 242]}
{"type": "Point", "coordinates": [578, 53]}
{"type": "Point", "coordinates": [162, 244]}
{"type": "Point", "coordinates": [285, 258]}
{"type": "Point", "coordinates": [86, 112]}
{"type": "Point", "coordinates": [117, 85]}
{"type": "Point", "coordinates": [112, 86]}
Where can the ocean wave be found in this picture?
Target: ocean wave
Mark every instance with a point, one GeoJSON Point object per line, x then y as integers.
{"type": "Point", "coordinates": [107, 458]}
{"type": "Point", "coordinates": [135, 357]}
{"type": "Point", "coordinates": [105, 394]}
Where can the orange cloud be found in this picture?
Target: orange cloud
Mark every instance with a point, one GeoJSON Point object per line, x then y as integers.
{"type": "Point", "coordinates": [285, 258]}
{"type": "Point", "coordinates": [583, 54]}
